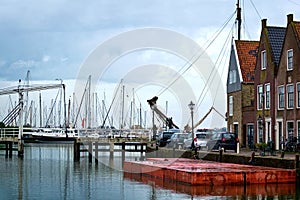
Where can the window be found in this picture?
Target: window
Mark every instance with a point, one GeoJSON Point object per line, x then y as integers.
{"type": "Point", "coordinates": [290, 129]}
{"type": "Point", "coordinates": [281, 97]}
{"type": "Point", "coordinates": [232, 76]}
{"type": "Point", "coordinates": [267, 88]}
{"type": "Point", "coordinates": [290, 96]}
{"type": "Point", "coordinates": [260, 97]}
{"type": "Point", "coordinates": [230, 105]}
{"type": "Point", "coordinates": [298, 135]}
{"type": "Point", "coordinates": [263, 60]}
{"type": "Point", "coordinates": [290, 59]}
{"type": "Point", "coordinates": [298, 95]}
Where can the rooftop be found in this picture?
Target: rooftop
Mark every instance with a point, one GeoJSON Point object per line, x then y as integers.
{"type": "Point", "coordinates": [247, 54]}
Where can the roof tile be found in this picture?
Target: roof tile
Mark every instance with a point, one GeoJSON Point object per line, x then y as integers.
{"type": "Point", "coordinates": [297, 26]}
{"type": "Point", "coordinates": [247, 54]}
{"type": "Point", "coordinates": [276, 38]}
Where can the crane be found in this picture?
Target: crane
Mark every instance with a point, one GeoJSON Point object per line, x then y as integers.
{"type": "Point", "coordinates": [168, 120]}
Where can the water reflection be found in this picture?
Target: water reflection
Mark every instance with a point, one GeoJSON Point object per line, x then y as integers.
{"type": "Point", "coordinates": [269, 190]}
{"type": "Point", "coordinates": [49, 172]}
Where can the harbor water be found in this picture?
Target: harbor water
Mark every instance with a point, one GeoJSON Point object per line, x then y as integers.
{"type": "Point", "coordinates": [48, 171]}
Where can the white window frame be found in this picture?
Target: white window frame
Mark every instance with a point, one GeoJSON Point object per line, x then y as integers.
{"type": "Point", "coordinates": [230, 105]}
{"type": "Point", "coordinates": [289, 59]}
{"type": "Point", "coordinates": [263, 60]}
{"type": "Point", "coordinates": [281, 108]}
{"type": "Point", "coordinates": [287, 96]}
{"type": "Point", "coordinates": [259, 100]}
{"type": "Point", "coordinates": [267, 98]}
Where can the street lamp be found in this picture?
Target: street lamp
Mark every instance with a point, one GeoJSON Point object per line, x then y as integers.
{"type": "Point", "coordinates": [192, 107]}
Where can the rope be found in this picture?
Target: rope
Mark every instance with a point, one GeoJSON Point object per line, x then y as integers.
{"type": "Point", "coordinates": [197, 58]}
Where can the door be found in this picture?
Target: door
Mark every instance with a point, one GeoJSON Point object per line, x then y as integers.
{"type": "Point", "coordinates": [250, 131]}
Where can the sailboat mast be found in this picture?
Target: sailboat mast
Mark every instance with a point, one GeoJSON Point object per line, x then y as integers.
{"type": "Point", "coordinates": [122, 114]}
{"type": "Point", "coordinates": [238, 18]}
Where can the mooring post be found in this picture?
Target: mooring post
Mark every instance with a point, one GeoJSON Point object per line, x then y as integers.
{"type": "Point", "coordinates": [6, 149]}
{"type": "Point", "coordinates": [76, 150]}
{"type": "Point", "coordinates": [96, 153]}
{"type": "Point", "coordinates": [142, 149]}
{"type": "Point", "coordinates": [111, 150]}
{"type": "Point", "coordinates": [221, 154]}
{"type": "Point", "coordinates": [90, 152]}
{"type": "Point", "coordinates": [10, 149]}
{"type": "Point", "coordinates": [123, 151]}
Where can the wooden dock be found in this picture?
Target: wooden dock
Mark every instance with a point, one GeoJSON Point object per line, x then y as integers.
{"type": "Point", "coordinates": [94, 147]}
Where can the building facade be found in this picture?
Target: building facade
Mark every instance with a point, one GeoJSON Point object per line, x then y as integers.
{"type": "Point", "coordinates": [240, 91]}
{"type": "Point", "coordinates": [288, 87]}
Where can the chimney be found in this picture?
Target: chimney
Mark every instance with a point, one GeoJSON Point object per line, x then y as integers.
{"type": "Point", "coordinates": [290, 18]}
{"type": "Point", "coordinates": [263, 23]}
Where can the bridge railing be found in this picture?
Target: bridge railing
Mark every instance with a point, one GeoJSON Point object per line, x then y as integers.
{"type": "Point", "coordinates": [12, 132]}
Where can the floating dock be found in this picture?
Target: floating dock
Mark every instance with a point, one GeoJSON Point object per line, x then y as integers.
{"type": "Point", "coordinates": [200, 172]}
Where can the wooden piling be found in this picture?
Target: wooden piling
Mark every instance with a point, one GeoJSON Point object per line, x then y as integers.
{"type": "Point", "coordinates": [11, 149]}
{"type": "Point", "coordinates": [6, 149]}
{"type": "Point", "coordinates": [111, 150]}
{"type": "Point", "coordinates": [76, 150]}
{"type": "Point", "coordinates": [96, 153]}
{"type": "Point", "coordinates": [90, 152]}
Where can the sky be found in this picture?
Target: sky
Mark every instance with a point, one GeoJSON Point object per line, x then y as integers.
{"type": "Point", "coordinates": [53, 38]}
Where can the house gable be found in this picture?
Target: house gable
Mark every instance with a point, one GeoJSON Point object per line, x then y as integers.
{"type": "Point", "coordinates": [233, 76]}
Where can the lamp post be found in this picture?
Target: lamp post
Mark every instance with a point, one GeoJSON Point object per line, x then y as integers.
{"type": "Point", "coordinates": [192, 106]}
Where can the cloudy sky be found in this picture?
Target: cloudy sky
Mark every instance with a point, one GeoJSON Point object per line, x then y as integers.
{"type": "Point", "coordinates": [53, 38]}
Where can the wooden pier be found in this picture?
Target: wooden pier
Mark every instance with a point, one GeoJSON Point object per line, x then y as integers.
{"type": "Point", "coordinates": [93, 147]}
{"type": "Point", "coordinates": [9, 147]}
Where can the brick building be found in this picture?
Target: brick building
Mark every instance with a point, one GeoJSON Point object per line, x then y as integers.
{"type": "Point", "coordinates": [240, 92]}
{"type": "Point", "coordinates": [288, 86]}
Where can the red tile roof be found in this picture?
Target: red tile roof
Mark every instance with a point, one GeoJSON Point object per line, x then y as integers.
{"type": "Point", "coordinates": [247, 54]}
{"type": "Point", "coordinates": [297, 27]}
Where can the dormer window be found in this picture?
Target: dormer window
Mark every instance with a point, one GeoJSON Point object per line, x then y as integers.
{"type": "Point", "coordinates": [232, 76]}
{"type": "Point", "coordinates": [264, 60]}
{"type": "Point", "coordinates": [290, 59]}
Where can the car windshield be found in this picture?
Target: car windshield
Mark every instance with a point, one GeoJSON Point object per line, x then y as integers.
{"type": "Point", "coordinates": [201, 136]}
{"type": "Point", "coordinates": [167, 135]}
{"type": "Point", "coordinates": [230, 136]}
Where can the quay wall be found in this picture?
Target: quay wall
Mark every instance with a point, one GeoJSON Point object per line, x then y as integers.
{"type": "Point", "coordinates": [267, 161]}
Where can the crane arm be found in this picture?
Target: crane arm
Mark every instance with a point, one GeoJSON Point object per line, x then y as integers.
{"type": "Point", "coordinates": [203, 118]}
{"type": "Point", "coordinates": [168, 120]}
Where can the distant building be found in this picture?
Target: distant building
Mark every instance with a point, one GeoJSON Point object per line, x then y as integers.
{"type": "Point", "coordinates": [240, 90]}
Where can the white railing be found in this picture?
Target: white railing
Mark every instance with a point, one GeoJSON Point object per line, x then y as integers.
{"type": "Point", "coordinates": [12, 132]}
{"type": "Point", "coordinates": [9, 132]}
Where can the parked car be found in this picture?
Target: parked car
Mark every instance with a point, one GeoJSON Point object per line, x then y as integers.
{"type": "Point", "coordinates": [225, 140]}
{"type": "Point", "coordinates": [200, 140]}
{"type": "Point", "coordinates": [163, 137]}
{"type": "Point", "coordinates": [176, 140]}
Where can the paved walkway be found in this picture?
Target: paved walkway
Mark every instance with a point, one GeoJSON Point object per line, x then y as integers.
{"type": "Point", "coordinates": [287, 155]}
